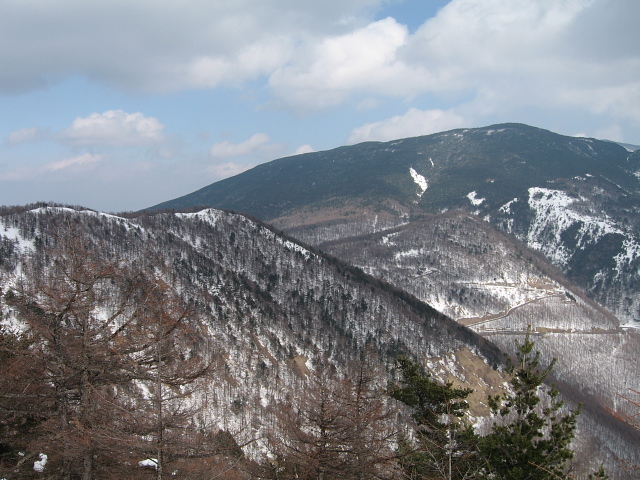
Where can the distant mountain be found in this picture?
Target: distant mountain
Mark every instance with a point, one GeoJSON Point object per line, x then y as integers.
{"type": "Point", "coordinates": [425, 174]}
{"type": "Point", "coordinates": [576, 200]}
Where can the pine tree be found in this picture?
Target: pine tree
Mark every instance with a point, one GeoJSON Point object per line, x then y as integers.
{"type": "Point", "coordinates": [532, 435]}
{"type": "Point", "coordinates": [446, 445]}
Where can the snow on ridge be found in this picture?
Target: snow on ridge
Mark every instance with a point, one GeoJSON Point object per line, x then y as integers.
{"type": "Point", "coordinates": [472, 196]}
{"type": "Point", "coordinates": [210, 215]}
{"type": "Point", "coordinates": [294, 247]}
{"type": "Point", "coordinates": [506, 208]}
{"type": "Point", "coordinates": [420, 181]}
{"type": "Point", "coordinates": [553, 216]}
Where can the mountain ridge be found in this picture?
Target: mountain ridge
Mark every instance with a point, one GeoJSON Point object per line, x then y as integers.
{"type": "Point", "coordinates": [571, 195]}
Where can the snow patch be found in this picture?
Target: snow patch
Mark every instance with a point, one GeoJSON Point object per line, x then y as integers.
{"type": "Point", "coordinates": [506, 208]}
{"type": "Point", "coordinates": [387, 239]}
{"type": "Point", "coordinates": [23, 246]}
{"type": "Point", "coordinates": [420, 181]}
{"type": "Point", "coordinates": [149, 462]}
{"type": "Point", "coordinates": [472, 196]}
{"type": "Point", "coordinates": [412, 253]}
{"type": "Point", "coordinates": [39, 465]}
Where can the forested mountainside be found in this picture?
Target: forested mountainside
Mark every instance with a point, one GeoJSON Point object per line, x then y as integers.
{"type": "Point", "coordinates": [498, 227]}
{"type": "Point", "coordinates": [267, 312]}
{"type": "Point", "coordinates": [271, 317]}
{"type": "Point", "coordinates": [497, 286]}
{"type": "Point", "coordinates": [576, 200]}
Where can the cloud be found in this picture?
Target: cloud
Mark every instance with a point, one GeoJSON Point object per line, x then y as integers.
{"type": "Point", "coordinates": [412, 124]}
{"type": "Point", "coordinates": [24, 135]}
{"type": "Point", "coordinates": [304, 149]}
{"type": "Point", "coordinates": [113, 128]}
{"type": "Point", "coordinates": [77, 161]}
{"type": "Point", "coordinates": [494, 54]}
{"type": "Point", "coordinates": [29, 173]}
{"type": "Point", "coordinates": [366, 61]}
{"type": "Point", "coordinates": [227, 169]}
{"type": "Point", "coordinates": [160, 46]}
{"type": "Point", "coordinates": [257, 143]}
{"type": "Point", "coordinates": [497, 56]}
{"type": "Point", "coordinates": [523, 53]}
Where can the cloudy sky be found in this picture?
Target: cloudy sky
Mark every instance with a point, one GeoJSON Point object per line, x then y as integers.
{"type": "Point", "coordinates": [119, 105]}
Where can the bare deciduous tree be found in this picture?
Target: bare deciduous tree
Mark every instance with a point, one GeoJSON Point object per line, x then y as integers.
{"type": "Point", "coordinates": [339, 428]}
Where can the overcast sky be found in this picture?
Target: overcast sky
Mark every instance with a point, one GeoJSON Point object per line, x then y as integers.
{"type": "Point", "coordinates": [118, 105]}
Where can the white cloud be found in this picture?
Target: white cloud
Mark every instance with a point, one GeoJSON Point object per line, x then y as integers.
{"type": "Point", "coordinates": [227, 169]}
{"type": "Point", "coordinates": [210, 71]}
{"type": "Point", "coordinates": [548, 54]}
{"type": "Point", "coordinates": [412, 124]}
{"type": "Point", "coordinates": [226, 149]}
{"type": "Point", "coordinates": [495, 54]}
{"type": "Point", "coordinates": [24, 135]}
{"type": "Point", "coordinates": [113, 128]}
{"type": "Point", "coordinates": [30, 173]}
{"type": "Point", "coordinates": [365, 61]}
{"type": "Point", "coordinates": [160, 46]}
{"type": "Point", "coordinates": [304, 149]}
{"type": "Point", "coordinates": [80, 160]}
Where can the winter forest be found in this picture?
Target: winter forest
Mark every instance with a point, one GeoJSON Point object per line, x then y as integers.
{"type": "Point", "coordinates": [207, 345]}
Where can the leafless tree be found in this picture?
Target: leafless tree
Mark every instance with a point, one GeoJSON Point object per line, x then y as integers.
{"type": "Point", "coordinates": [338, 428]}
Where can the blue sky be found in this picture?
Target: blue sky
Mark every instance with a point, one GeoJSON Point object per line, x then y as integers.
{"type": "Point", "coordinates": [118, 105]}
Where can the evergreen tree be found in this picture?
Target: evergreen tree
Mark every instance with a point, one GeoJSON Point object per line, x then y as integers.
{"type": "Point", "coordinates": [445, 444]}
{"type": "Point", "coordinates": [532, 436]}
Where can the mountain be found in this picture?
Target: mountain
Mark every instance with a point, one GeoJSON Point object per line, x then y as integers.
{"type": "Point", "coordinates": [499, 227]}
{"type": "Point", "coordinates": [273, 310]}
{"type": "Point", "coordinates": [576, 200]}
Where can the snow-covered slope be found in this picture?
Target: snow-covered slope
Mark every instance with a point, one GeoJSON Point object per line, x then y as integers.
{"type": "Point", "coordinates": [271, 308]}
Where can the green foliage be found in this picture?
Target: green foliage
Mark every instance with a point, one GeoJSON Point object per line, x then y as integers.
{"type": "Point", "coordinates": [600, 474]}
{"type": "Point", "coordinates": [532, 435]}
{"type": "Point", "coordinates": [446, 446]}
{"type": "Point", "coordinates": [429, 399]}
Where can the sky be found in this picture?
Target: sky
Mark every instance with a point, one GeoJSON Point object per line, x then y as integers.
{"type": "Point", "coordinates": [118, 105]}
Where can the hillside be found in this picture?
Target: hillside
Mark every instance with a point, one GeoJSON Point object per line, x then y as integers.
{"type": "Point", "coordinates": [274, 311]}
{"type": "Point", "coordinates": [269, 310]}
{"type": "Point", "coordinates": [576, 200]}
{"type": "Point", "coordinates": [498, 227]}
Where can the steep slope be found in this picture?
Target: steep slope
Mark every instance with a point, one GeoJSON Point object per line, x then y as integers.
{"type": "Point", "coordinates": [521, 179]}
{"type": "Point", "coordinates": [498, 287]}
{"type": "Point", "coordinates": [271, 308]}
